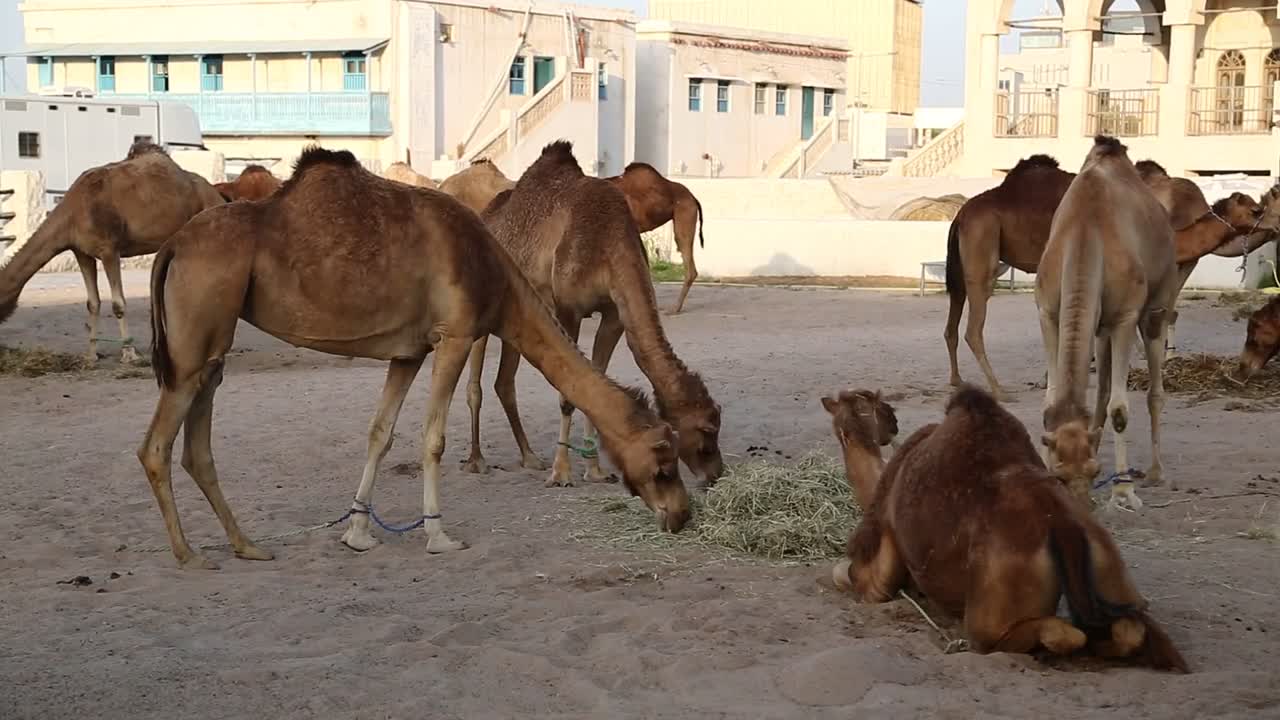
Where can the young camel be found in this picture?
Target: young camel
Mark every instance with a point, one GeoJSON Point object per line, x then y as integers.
{"type": "Point", "coordinates": [862, 419]}
{"type": "Point", "coordinates": [254, 183]}
{"type": "Point", "coordinates": [966, 512]}
{"type": "Point", "coordinates": [419, 274]}
{"type": "Point", "coordinates": [574, 238]}
{"type": "Point", "coordinates": [402, 172]}
{"type": "Point", "coordinates": [113, 211]}
{"type": "Point", "coordinates": [477, 185]}
{"type": "Point", "coordinates": [1261, 340]}
{"type": "Point", "coordinates": [1108, 269]}
{"type": "Point", "coordinates": [655, 201]}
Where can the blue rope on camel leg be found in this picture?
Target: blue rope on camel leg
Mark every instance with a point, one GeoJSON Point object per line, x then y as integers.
{"type": "Point", "coordinates": [367, 509]}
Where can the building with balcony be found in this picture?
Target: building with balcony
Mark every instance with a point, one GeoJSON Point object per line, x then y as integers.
{"type": "Point", "coordinates": [387, 79]}
{"type": "Point", "coordinates": [1189, 83]}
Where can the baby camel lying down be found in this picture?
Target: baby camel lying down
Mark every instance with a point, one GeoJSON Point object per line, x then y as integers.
{"type": "Point", "coordinates": [968, 513]}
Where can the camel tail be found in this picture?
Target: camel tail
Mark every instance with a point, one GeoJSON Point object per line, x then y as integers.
{"type": "Point", "coordinates": [1093, 613]}
{"type": "Point", "coordinates": [161, 362]}
{"type": "Point", "coordinates": [955, 270]}
{"type": "Point", "coordinates": [702, 242]}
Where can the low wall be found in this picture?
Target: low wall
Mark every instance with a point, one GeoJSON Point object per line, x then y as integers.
{"type": "Point", "coordinates": [26, 202]}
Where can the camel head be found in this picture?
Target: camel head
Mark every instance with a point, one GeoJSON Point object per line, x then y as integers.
{"type": "Point", "coordinates": [698, 443]}
{"type": "Point", "coordinates": [1073, 454]}
{"type": "Point", "coordinates": [1261, 341]}
{"type": "Point", "coordinates": [651, 468]}
{"type": "Point", "coordinates": [862, 417]}
{"type": "Point", "coordinates": [1245, 214]}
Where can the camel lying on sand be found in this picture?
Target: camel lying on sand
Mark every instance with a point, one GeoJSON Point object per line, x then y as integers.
{"type": "Point", "coordinates": [1107, 270]}
{"type": "Point", "coordinates": [344, 262]}
{"type": "Point", "coordinates": [573, 236]}
{"type": "Point", "coordinates": [655, 201]}
{"type": "Point", "coordinates": [966, 512]}
{"type": "Point", "coordinates": [118, 210]}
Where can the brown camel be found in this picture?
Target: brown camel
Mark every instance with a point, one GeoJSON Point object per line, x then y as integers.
{"type": "Point", "coordinates": [254, 183]}
{"type": "Point", "coordinates": [968, 514]}
{"type": "Point", "coordinates": [477, 185]}
{"type": "Point", "coordinates": [433, 282]}
{"type": "Point", "coordinates": [402, 172]}
{"type": "Point", "coordinates": [1247, 244]}
{"type": "Point", "coordinates": [655, 201]}
{"type": "Point", "coordinates": [861, 418]}
{"type": "Point", "coordinates": [575, 241]}
{"type": "Point", "coordinates": [1107, 270]}
{"type": "Point", "coordinates": [1261, 340]}
{"type": "Point", "coordinates": [113, 211]}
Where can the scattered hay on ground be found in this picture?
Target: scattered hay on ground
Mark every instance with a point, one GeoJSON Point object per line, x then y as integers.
{"type": "Point", "coordinates": [35, 362]}
{"type": "Point", "coordinates": [781, 512]}
{"type": "Point", "coordinates": [1209, 376]}
{"type": "Point", "coordinates": [1243, 303]}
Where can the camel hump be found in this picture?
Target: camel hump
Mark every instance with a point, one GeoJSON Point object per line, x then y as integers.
{"type": "Point", "coordinates": [143, 147]}
{"type": "Point", "coordinates": [975, 401]}
{"type": "Point", "coordinates": [1107, 146]}
{"type": "Point", "coordinates": [562, 148]}
{"type": "Point", "coordinates": [316, 155]}
{"type": "Point", "coordinates": [640, 167]}
{"type": "Point", "coordinates": [1150, 169]}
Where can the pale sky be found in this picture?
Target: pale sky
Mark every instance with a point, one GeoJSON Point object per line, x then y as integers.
{"type": "Point", "coordinates": [941, 75]}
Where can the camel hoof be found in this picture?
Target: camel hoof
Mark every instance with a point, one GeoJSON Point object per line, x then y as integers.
{"type": "Point", "coordinates": [956, 381]}
{"type": "Point", "coordinates": [840, 575]}
{"type": "Point", "coordinates": [476, 466]}
{"type": "Point", "coordinates": [196, 561]}
{"type": "Point", "coordinates": [596, 475]}
{"type": "Point", "coordinates": [533, 462]}
{"type": "Point", "coordinates": [560, 478]}
{"type": "Point", "coordinates": [91, 360]}
{"type": "Point", "coordinates": [129, 356]}
{"type": "Point", "coordinates": [253, 552]}
{"type": "Point", "coordinates": [441, 543]}
{"type": "Point", "coordinates": [673, 311]}
{"type": "Point", "coordinates": [358, 540]}
{"type": "Point", "coordinates": [1154, 478]}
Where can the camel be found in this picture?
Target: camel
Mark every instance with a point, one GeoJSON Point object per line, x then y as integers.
{"type": "Point", "coordinates": [113, 211]}
{"type": "Point", "coordinates": [477, 185]}
{"type": "Point", "coordinates": [1248, 243]}
{"type": "Point", "coordinates": [655, 201]}
{"type": "Point", "coordinates": [1107, 270]}
{"type": "Point", "coordinates": [255, 182]}
{"type": "Point", "coordinates": [574, 238]}
{"type": "Point", "coordinates": [1261, 341]}
{"type": "Point", "coordinates": [344, 262]}
{"type": "Point", "coordinates": [967, 513]}
{"type": "Point", "coordinates": [402, 172]}
{"type": "Point", "coordinates": [861, 418]}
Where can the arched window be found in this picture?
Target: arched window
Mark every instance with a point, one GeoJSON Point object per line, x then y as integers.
{"type": "Point", "coordinates": [1230, 89]}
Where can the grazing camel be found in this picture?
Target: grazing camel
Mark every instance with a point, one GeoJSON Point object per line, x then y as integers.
{"type": "Point", "coordinates": [344, 262]}
{"type": "Point", "coordinates": [113, 211]}
{"type": "Point", "coordinates": [254, 183]}
{"type": "Point", "coordinates": [574, 239]}
{"type": "Point", "coordinates": [1107, 270]}
{"type": "Point", "coordinates": [861, 418]}
{"type": "Point", "coordinates": [1006, 224]}
{"type": "Point", "coordinates": [401, 172]}
{"type": "Point", "coordinates": [655, 201]}
{"type": "Point", "coordinates": [477, 185]}
{"type": "Point", "coordinates": [1261, 340]}
{"type": "Point", "coordinates": [1247, 244]}
{"type": "Point", "coordinates": [966, 512]}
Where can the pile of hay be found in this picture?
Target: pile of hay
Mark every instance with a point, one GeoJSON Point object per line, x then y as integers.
{"type": "Point", "coordinates": [930, 208]}
{"type": "Point", "coordinates": [788, 512]}
{"type": "Point", "coordinates": [1209, 375]}
{"type": "Point", "coordinates": [36, 362]}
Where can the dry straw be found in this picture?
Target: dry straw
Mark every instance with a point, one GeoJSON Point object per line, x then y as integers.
{"type": "Point", "coordinates": [1209, 375]}
{"type": "Point", "coordinates": [38, 361]}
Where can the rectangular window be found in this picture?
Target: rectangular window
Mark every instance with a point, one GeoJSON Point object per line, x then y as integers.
{"type": "Point", "coordinates": [29, 144]}
{"type": "Point", "coordinates": [160, 73]}
{"type": "Point", "coordinates": [761, 95]}
{"type": "Point", "coordinates": [446, 33]}
{"type": "Point", "coordinates": [354, 71]}
{"type": "Point", "coordinates": [828, 102]}
{"type": "Point", "coordinates": [106, 74]}
{"type": "Point", "coordinates": [46, 72]}
{"type": "Point", "coordinates": [515, 80]}
{"type": "Point", "coordinates": [602, 82]}
{"type": "Point", "coordinates": [722, 96]}
{"type": "Point", "coordinates": [780, 100]}
{"type": "Point", "coordinates": [211, 73]}
{"type": "Point", "coordinates": [695, 94]}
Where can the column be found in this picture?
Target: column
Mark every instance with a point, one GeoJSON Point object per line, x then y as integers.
{"type": "Point", "coordinates": [1176, 94]}
{"type": "Point", "coordinates": [1073, 100]}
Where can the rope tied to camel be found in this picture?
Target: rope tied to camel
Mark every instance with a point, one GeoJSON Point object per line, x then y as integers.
{"type": "Point", "coordinates": [127, 341]}
{"type": "Point", "coordinates": [1119, 477]}
{"type": "Point", "coordinates": [363, 508]}
{"type": "Point", "coordinates": [587, 452]}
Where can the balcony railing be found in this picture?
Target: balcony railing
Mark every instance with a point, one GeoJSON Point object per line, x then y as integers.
{"type": "Point", "coordinates": [1123, 113]}
{"type": "Point", "coordinates": [1230, 110]}
{"type": "Point", "coordinates": [317, 113]}
{"type": "Point", "coordinates": [1031, 112]}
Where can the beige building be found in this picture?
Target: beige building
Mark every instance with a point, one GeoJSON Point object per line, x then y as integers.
{"type": "Point", "coordinates": [724, 102]}
{"type": "Point", "coordinates": [1198, 95]}
{"type": "Point", "coordinates": [388, 79]}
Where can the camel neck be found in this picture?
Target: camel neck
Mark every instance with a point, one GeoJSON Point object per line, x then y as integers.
{"type": "Point", "coordinates": [1079, 309]}
{"type": "Point", "coordinates": [26, 257]}
{"type": "Point", "coordinates": [1203, 237]}
{"type": "Point", "coordinates": [862, 468]}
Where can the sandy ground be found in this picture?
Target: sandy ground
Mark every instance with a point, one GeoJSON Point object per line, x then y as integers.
{"type": "Point", "coordinates": [530, 622]}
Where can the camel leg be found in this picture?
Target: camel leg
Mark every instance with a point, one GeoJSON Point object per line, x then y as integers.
{"type": "Point", "coordinates": [952, 334]}
{"type": "Point", "coordinates": [875, 572]}
{"type": "Point", "coordinates": [451, 356]}
{"type": "Point", "coordinates": [505, 387]}
{"type": "Point", "coordinates": [1153, 337]}
{"type": "Point", "coordinates": [1053, 633]}
{"type": "Point", "coordinates": [89, 271]}
{"type": "Point", "coordinates": [1184, 274]}
{"type": "Point", "coordinates": [607, 337]}
{"type": "Point", "coordinates": [197, 460]}
{"type": "Point", "coordinates": [1049, 336]}
{"type": "Point", "coordinates": [112, 267]}
{"type": "Point", "coordinates": [475, 463]}
{"type": "Point", "coordinates": [560, 466]}
{"type": "Point", "coordinates": [1118, 407]}
{"type": "Point", "coordinates": [685, 228]}
{"type": "Point", "coordinates": [1103, 360]}
{"type": "Point", "coordinates": [1009, 606]}
{"type": "Point", "coordinates": [400, 375]}
{"type": "Point", "coordinates": [979, 293]}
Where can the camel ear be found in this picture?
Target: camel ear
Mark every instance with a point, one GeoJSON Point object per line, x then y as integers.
{"type": "Point", "coordinates": [1049, 441]}
{"type": "Point", "coordinates": [829, 404]}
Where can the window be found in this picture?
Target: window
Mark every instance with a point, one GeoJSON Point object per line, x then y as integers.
{"type": "Point", "coordinates": [515, 80]}
{"type": "Point", "coordinates": [211, 73]}
{"type": "Point", "coordinates": [160, 73]}
{"type": "Point", "coordinates": [142, 139]}
{"type": "Point", "coordinates": [780, 100]}
{"type": "Point", "coordinates": [828, 101]}
{"type": "Point", "coordinates": [29, 144]}
{"type": "Point", "coordinates": [722, 96]}
{"type": "Point", "coordinates": [46, 72]}
{"type": "Point", "coordinates": [354, 69]}
{"type": "Point", "coordinates": [602, 82]}
{"type": "Point", "coordinates": [446, 33]}
{"type": "Point", "coordinates": [761, 94]}
{"type": "Point", "coordinates": [106, 74]}
{"type": "Point", "coordinates": [695, 94]}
